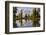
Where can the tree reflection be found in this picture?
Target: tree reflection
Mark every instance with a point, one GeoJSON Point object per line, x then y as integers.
{"type": "Point", "coordinates": [34, 17]}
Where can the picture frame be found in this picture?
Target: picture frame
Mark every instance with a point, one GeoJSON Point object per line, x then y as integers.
{"type": "Point", "coordinates": [15, 6]}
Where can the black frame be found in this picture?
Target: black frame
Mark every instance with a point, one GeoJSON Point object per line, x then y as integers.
{"type": "Point", "coordinates": [7, 16]}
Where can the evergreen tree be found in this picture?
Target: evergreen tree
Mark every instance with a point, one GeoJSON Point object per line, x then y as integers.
{"type": "Point", "coordinates": [35, 17]}
{"type": "Point", "coordinates": [14, 16]}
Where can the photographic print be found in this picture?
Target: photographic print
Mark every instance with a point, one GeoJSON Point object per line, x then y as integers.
{"type": "Point", "coordinates": [24, 17]}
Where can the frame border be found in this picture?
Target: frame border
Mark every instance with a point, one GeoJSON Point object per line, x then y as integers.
{"type": "Point", "coordinates": [7, 16]}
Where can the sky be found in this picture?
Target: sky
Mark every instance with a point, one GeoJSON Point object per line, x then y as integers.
{"type": "Point", "coordinates": [26, 10]}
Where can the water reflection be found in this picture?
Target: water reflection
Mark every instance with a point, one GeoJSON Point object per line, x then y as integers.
{"type": "Point", "coordinates": [27, 23]}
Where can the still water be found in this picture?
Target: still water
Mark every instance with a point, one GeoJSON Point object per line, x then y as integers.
{"type": "Point", "coordinates": [27, 23]}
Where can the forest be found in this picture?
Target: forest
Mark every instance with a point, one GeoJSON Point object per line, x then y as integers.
{"type": "Point", "coordinates": [34, 17]}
